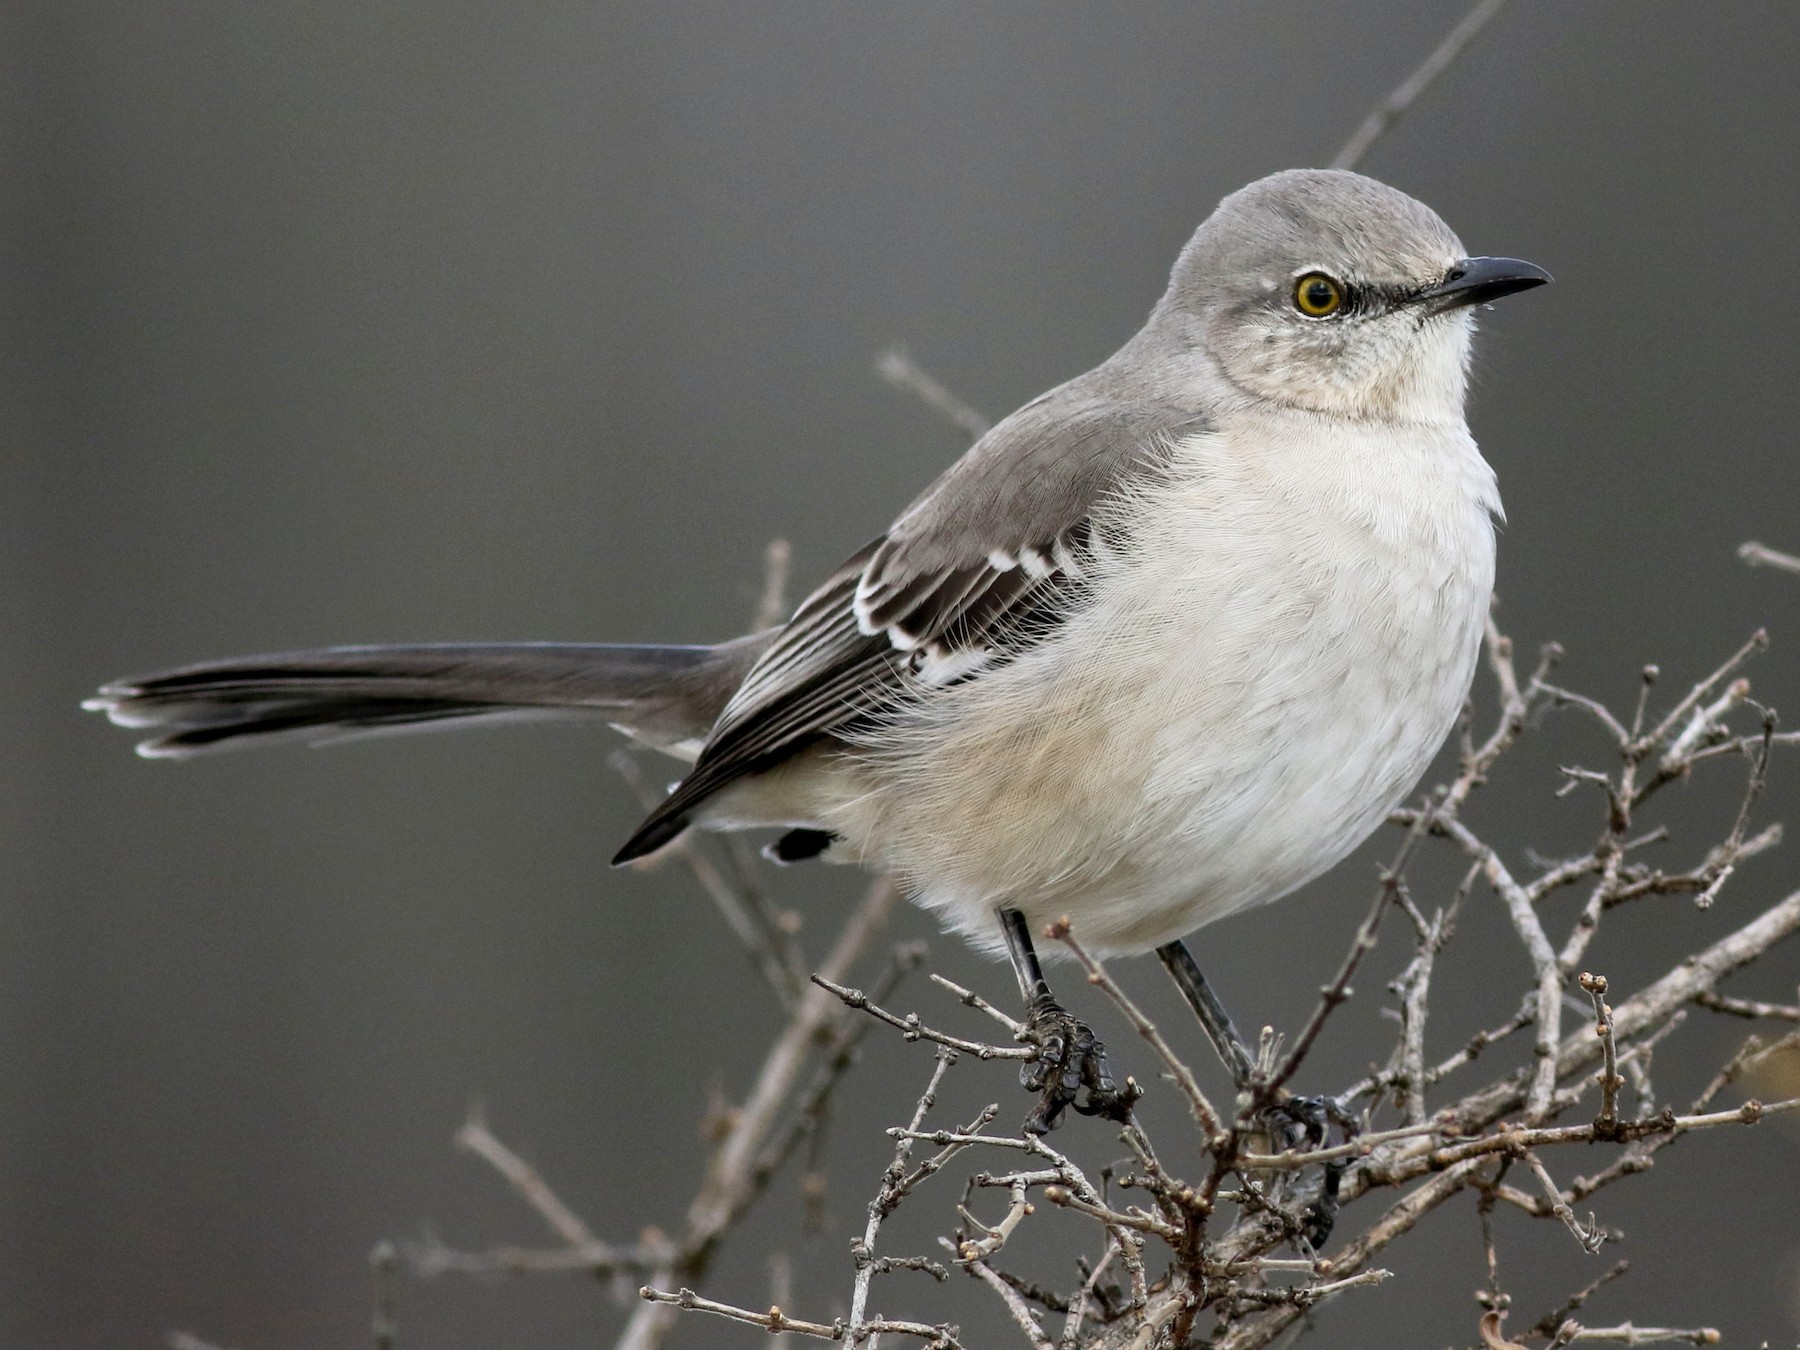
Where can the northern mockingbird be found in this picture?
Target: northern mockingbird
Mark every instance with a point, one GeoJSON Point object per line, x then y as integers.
{"type": "Point", "coordinates": [1168, 642]}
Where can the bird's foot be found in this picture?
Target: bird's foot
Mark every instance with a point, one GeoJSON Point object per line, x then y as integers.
{"type": "Point", "coordinates": [1298, 1123]}
{"type": "Point", "coordinates": [1304, 1123]}
{"type": "Point", "coordinates": [1069, 1069]}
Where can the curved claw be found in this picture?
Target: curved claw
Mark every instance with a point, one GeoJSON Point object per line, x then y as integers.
{"type": "Point", "coordinates": [1305, 1123]}
{"type": "Point", "coordinates": [1298, 1122]}
{"type": "Point", "coordinates": [1320, 1217]}
{"type": "Point", "coordinates": [1068, 1070]}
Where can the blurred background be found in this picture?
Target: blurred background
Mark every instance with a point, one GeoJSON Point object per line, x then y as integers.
{"type": "Point", "coordinates": [351, 323]}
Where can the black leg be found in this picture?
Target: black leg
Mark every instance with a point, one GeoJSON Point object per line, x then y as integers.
{"type": "Point", "coordinates": [1070, 1061]}
{"type": "Point", "coordinates": [1024, 957]}
{"type": "Point", "coordinates": [1233, 1053]}
{"type": "Point", "coordinates": [1292, 1122]}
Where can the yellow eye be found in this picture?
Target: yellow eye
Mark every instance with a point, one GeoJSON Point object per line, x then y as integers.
{"type": "Point", "coordinates": [1317, 295]}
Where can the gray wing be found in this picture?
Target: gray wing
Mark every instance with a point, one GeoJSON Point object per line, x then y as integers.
{"type": "Point", "coordinates": [976, 569]}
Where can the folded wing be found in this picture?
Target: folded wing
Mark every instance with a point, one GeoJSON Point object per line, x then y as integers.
{"type": "Point", "coordinates": [984, 564]}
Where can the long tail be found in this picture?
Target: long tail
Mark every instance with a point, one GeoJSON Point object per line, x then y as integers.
{"type": "Point", "coordinates": [664, 695]}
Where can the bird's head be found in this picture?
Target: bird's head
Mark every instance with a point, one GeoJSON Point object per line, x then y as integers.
{"type": "Point", "coordinates": [1324, 290]}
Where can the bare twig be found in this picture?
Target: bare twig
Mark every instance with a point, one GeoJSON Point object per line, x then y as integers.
{"type": "Point", "coordinates": [1610, 1082]}
{"type": "Point", "coordinates": [1650, 1006]}
{"type": "Point", "coordinates": [186, 1340]}
{"type": "Point", "coordinates": [770, 951]}
{"type": "Point", "coordinates": [772, 604]}
{"type": "Point", "coordinates": [1760, 555]}
{"type": "Point", "coordinates": [1021, 1311]}
{"type": "Point", "coordinates": [994, 1238]}
{"type": "Point", "coordinates": [1744, 1007]}
{"type": "Point", "coordinates": [428, 1257]}
{"type": "Point", "coordinates": [732, 1181]}
{"type": "Point", "coordinates": [1078, 1306]}
{"type": "Point", "coordinates": [1514, 1141]}
{"type": "Point", "coordinates": [1360, 1147]}
{"type": "Point", "coordinates": [896, 366]}
{"type": "Point", "coordinates": [1591, 1236]}
{"type": "Point", "coordinates": [1414, 988]}
{"type": "Point", "coordinates": [974, 1000]}
{"type": "Point", "coordinates": [894, 1187]}
{"type": "Point", "coordinates": [1758, 641]}
{"type": "Point", "coordinates": [1392, 108]}
{"type": "Point", "coordinates": [1205, 1114]}
{"type": "Point", "coordinates": [1338, 990]}
{"type": "Point", "coordinates": [774, 1320]}
{"type": "Point", "coordinates": [914, 1029]}
{"type": "Point", "coordinates": [476, 1138]}
{"type": "Point", "coordinates": [1547, 1013]}
{"type": "Point", "coordinates": [1548, 1324]}
{"type": "Point", "coordinates": [1627, 1334]}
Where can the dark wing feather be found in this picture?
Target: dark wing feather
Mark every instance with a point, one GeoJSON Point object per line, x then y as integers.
{"type": "Point", "coordinates": [988, 550]}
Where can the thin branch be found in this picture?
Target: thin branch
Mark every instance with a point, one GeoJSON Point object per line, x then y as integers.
{"type": "Point", "coordinates": [1392, 108]}
{"type": "Point", "coordinates": [1627, 1334]}
{"type": "Point", "coordinates": [1703, 722]}
{"type": "Point", "coordinates": [1021, 1311]}
{"type": "Point", "coordinates": [1205, 1114]}
{"type": "Point", "coordinates": [774, 1320]}
{"type": "Point", "coordinates": [1360, 1147]}
{"type": "Point", "coordinates": [1744, 1007]}
{"type": "Point", "coordinates": [1758, 641]}
{"type": "Point", "coordinates": [428, 1258]}
{"type": "Point", "coordinates": [894, 1186]}
{"type": "Point", "coordinates": [1136, 1219]}
{"type": "Point", "coordinates": [1591, 1236]}
{"type": "Point", "coordinates": [1338, 990]}
{"type": "Point", "coordinates": [896, 366]}
{"type": "Point", "coordinates": [913, 1029]}
{"type": "Point", "coordinates": [1649, 1006]}
{"type": "Point", "coordinates": [1414, 987]}
{"type": "Point", "coordinates": [1515, 1141]}
{"type": "Point", "coordinates": [732, 1180]}
{"type": "Point", "coordinates": [1760, 555]}
{"type": "Point", "coordinates": [772, 605]}
{"type": "Point", "coordinates": [1548, 1324]}
{"type": "Point", "coordinates": [769, 950]}
{"type": "Point", "coordinates": [994, 1238]}
{"type": "Point", "coordinates": [186, 1340]}
{"type": "Point", "coordinates": [1547, 1015]}
{"type": "Point", "coordinates": [476, 1138]}
{"type": "Point", "coordinates": [974, 1000]}
{"type": "Point", "coordinates": [1078, 1305]}
{"type": "Point", "coordinates": [1610, 1082]}
{"type": "Point", "coordinates": [807, 1116]}
{"type": "Point", "coordinates": [1595, 709]}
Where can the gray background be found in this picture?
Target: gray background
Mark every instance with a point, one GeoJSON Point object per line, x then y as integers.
{"type": "Point", "coordinates": [383, 321]}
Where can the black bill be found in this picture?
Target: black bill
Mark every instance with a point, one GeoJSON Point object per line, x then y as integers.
{"type": "Point", "coordinates": [1475, 281]}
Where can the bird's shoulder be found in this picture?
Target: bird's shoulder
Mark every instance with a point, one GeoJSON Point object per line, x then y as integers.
{"type": "Point", "coordinates": [1014, 510]}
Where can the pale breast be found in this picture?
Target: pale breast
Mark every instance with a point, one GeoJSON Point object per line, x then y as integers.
{"type": "Point", "coordinates": [1254, 682]}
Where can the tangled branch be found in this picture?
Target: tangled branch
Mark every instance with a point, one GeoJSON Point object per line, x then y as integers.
{"type": "Point", "coordinates": [1235, 1252]}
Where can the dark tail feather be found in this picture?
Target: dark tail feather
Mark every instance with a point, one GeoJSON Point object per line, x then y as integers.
{"type": "Point", "coordinates": [662, 694]}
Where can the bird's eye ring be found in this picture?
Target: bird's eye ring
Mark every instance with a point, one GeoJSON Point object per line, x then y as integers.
{"type": "Point", "coordinates": [1318, 296]}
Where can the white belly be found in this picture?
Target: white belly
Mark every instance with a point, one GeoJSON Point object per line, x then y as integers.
{"type": "Point", "coordinates": [1253, 686]}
